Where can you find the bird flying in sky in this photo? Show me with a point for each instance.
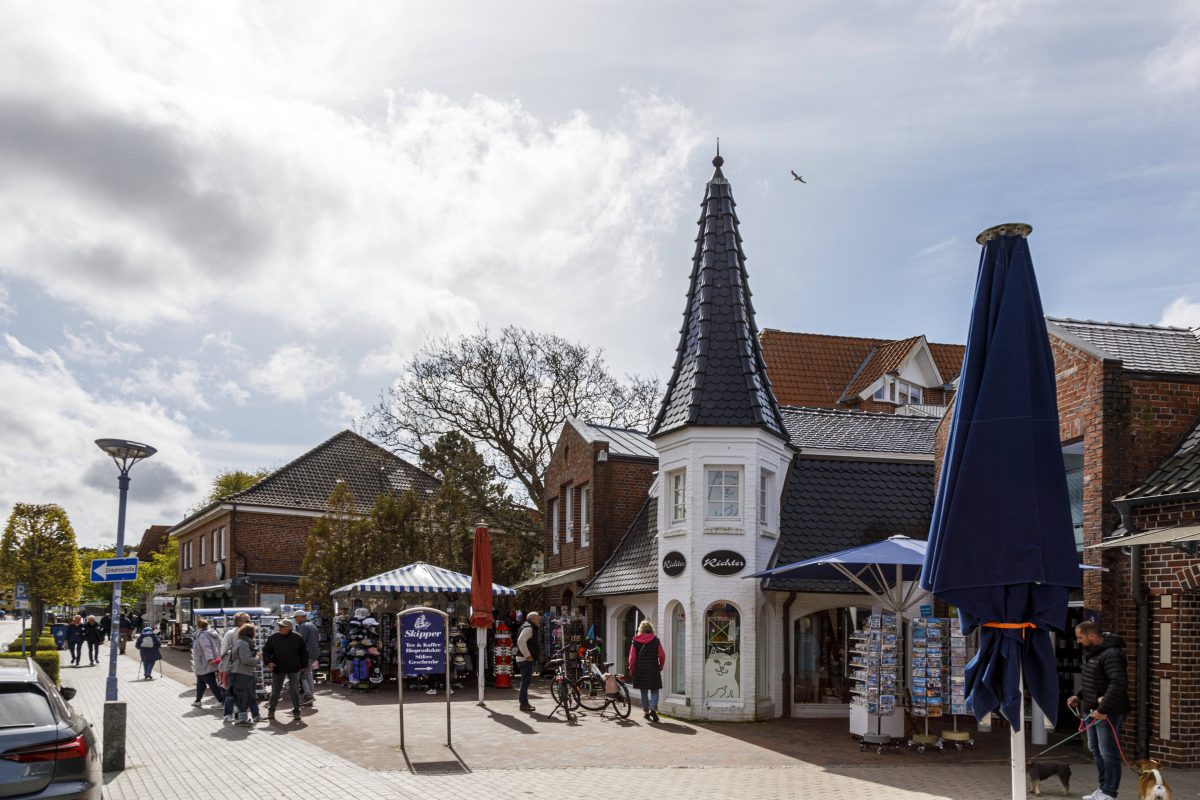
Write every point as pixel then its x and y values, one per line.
pixel 798 177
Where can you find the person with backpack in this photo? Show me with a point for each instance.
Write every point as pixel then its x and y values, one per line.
pixel 227 644
pixel 75 639
pixel 93 634
pixel 149 647
pixel 243 663
pixel 206 657
pixel 646 660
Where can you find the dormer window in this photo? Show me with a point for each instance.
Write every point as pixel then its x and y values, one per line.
pixel 900 392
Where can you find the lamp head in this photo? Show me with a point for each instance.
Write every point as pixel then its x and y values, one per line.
pixel 124 452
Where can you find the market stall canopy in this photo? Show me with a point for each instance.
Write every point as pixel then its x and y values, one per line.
pixel 554 578
pixel 1177 534
pixel 420 578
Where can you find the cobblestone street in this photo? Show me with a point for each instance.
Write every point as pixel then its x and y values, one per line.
pixel 176 751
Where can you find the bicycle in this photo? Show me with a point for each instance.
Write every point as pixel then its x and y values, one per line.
pixel 592 694
pixel 563 691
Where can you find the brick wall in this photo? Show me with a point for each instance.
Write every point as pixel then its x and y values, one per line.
pixel 271 543
pixel 204 574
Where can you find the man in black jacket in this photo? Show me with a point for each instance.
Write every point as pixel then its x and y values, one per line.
pixel 285 654
pixel 1104 702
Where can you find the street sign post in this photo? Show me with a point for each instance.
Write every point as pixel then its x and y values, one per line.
pixel 112 570
pixel 424 650
pixel 21 601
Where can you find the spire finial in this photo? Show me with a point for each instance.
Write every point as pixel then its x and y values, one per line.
pixel 718 161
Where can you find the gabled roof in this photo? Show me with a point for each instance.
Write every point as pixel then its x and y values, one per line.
pixel 835 504
pixel 719 377
pixel 814 369
pixel 859 431
pixel 1179 473
pixel 1140 348
pixel 633 566
pixel 621 441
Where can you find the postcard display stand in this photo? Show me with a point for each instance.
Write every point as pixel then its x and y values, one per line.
pixel 938 682
pixel 875 668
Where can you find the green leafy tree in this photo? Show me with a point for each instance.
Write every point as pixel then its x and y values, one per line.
pixel 94 593
pixel 163 567
pixel 229 482
pixel 334 553
pixel 39 549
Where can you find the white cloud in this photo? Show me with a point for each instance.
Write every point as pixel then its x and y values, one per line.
pixel 1176 65
pixel 6 308
pixel 105 350
pixel 343 411
pixel 294 372
pixel 1183 312
pixel 234 392
pixel 48 427
pixel 168 379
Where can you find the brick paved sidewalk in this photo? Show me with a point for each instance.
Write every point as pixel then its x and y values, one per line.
pixel 176 751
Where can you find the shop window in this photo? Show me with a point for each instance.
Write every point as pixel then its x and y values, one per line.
pixel 722 652
pixel 678 650
pixel 678 482
pixel 629 625
pixel 554 526
pixel 821 643
pixel 724 493
pixel 585 516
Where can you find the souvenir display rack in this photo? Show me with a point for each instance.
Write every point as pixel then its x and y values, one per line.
pixel 875 670
pixel 938 680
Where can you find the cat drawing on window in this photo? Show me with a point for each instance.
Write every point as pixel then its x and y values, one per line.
pixel 721 675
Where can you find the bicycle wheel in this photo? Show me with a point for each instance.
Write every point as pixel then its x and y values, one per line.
pixel 621 704
pixel 566 695
pixel 590 690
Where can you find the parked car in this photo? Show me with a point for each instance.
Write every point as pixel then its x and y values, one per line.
pixel 46 749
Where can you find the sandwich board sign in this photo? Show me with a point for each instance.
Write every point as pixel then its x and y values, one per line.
pixel 424 650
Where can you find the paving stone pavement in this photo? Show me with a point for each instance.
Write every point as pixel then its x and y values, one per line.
pixel 176 751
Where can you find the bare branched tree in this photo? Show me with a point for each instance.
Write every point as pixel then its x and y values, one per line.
pixel 509 394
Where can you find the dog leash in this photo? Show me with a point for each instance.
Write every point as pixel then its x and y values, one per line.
pixel 1084 726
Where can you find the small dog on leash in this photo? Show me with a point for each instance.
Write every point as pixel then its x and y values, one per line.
pixel 1038 771
pixel 1151 785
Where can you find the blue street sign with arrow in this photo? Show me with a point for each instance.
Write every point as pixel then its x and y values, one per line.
pixel 112 570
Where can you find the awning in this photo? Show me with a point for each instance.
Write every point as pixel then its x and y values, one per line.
pixel 420 578
pixel 216 587
pixel 1180 533
pixel 555 578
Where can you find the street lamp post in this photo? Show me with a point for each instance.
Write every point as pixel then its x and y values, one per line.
pixel 124 454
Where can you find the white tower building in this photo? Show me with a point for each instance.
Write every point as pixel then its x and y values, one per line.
pixel 723 457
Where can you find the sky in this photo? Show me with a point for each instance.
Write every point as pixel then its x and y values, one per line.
pixel 225 227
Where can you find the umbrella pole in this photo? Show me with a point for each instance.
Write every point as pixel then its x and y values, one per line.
pixel 480 652
pixel 1017 747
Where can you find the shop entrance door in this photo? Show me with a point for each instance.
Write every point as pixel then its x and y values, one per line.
pixel 820 653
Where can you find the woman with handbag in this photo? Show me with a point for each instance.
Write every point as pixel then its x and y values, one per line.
pixel 149 646
pixel 243 662
pixel 206 657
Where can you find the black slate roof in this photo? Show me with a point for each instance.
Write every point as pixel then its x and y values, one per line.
pixel 633 566
pixel 832 429
pixel 1179 473
pixel 1140 348
pixel 833 504
pixel 307 482
pixel 719 377
pixel 621 441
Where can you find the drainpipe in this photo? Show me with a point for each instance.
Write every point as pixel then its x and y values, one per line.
pixel 787 655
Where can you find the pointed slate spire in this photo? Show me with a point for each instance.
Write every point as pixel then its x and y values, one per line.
pixel 719 378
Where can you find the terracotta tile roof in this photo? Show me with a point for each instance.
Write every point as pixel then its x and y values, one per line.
pixel 719 377
pixel 816 370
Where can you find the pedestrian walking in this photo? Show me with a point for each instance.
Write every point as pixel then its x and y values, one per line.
pixel 243 661
pixel 528 654
pixel 149 647
pixel 285 654
pixel 136 620
pixel 124 631
pixel 93 635
pixel 206 657
pixel 1103 700
pixel 646 660
pixel 105 627
pixel 227 647
pixel 164 629
pixel 75 639
pixel 312 642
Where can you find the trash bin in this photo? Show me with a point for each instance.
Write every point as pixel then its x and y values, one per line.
pixel 59 631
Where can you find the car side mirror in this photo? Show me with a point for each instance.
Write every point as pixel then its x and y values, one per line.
pixel 68 692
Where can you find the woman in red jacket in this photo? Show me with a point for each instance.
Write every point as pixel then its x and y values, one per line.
pixel 646 660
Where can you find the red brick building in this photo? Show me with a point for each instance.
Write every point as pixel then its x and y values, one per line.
pixel 596 482
pixel 814 370
pixel 246 548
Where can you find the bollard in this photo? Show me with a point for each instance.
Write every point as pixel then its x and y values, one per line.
pixel 114 737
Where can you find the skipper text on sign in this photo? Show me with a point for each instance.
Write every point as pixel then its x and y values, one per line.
pixel 424 644
pixel 111 570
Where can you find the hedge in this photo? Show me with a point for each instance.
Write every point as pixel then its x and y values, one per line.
pixel 44 643
pixel 49 661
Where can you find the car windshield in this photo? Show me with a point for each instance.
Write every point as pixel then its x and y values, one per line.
pixel 23 705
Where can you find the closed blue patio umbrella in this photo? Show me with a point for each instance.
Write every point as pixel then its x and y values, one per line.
pixel 1001 546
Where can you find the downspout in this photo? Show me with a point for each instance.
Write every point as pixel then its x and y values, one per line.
pixel 1142 728
pixel 787 655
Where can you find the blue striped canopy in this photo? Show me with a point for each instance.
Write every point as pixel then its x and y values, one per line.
pixel 421 578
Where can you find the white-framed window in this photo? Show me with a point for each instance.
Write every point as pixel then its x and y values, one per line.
pixel 186 554
pixel 554 526
pixel 764 497
pixel 678 486
pixel 678 650
pixel 900 392
pixel 585 515
pixel 203 548
pixel 724 498
pixel 570 513
pixel 221 542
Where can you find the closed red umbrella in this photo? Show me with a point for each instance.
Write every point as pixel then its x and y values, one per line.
pixel 481 596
